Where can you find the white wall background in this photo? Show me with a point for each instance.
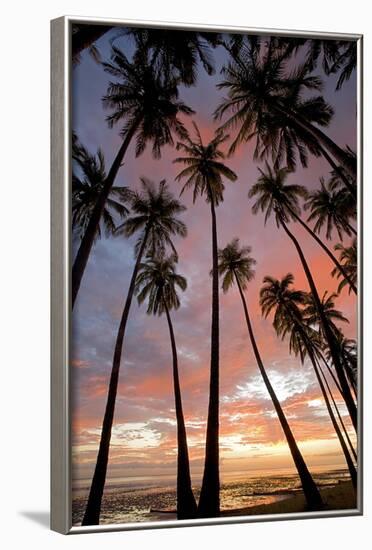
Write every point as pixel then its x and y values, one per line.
pixel 24 272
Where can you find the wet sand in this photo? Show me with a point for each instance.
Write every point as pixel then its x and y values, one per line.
pixel 339 497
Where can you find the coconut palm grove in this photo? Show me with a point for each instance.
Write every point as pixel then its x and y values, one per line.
pixel 214 283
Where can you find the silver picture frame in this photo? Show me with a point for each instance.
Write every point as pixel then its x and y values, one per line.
pixel 61 494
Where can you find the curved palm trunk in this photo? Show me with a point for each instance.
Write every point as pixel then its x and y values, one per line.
pixel 93 509
pixel 311 492
pixel 321 138
pixel 349 461
pixel 331 373
pixel 186 504
pixel 351 446
pixel 209 502
pixel 335 379
pixel 85 37
pixel 87 241
pixel 332 343
pixel 325 248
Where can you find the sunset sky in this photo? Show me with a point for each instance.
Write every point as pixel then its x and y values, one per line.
pixel 144 433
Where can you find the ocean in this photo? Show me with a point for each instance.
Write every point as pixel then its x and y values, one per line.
pixel 140 499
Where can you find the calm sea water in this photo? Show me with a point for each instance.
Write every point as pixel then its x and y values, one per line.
pixel 140 499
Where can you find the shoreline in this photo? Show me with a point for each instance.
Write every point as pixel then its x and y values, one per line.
pixel 337 497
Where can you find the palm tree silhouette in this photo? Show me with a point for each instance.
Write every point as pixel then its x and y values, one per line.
pixel 289 319
pixel 331 208
pixel 148 107
pixel 87 182
pixel 332 314
pixel 271 202
pixel 276 136
pixel 155 217
pixel 341 180
pixel 349 351
pixel 347 347
pixel 205 172
pixel 274 191
pixel 346 62
pixel 349 262
pixel 317 344
pixel 178 52
pixel 235 265
pixel 329 311
pixel 157 281
pixel 258 82
pixel 336 55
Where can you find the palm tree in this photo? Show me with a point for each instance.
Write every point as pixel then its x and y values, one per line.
pixel 87 181
pixel 346 62
pixel 155 217
pixel 147 106
pixel 274 191
pixel 338 412
pixel 178 53
pixel 349 262
pixel 275 132
pixel 236 266
pixel 317 345
pixel 289 318
pixel 205 172
pixel 337 55
pixel 349 351
pixel 347 347
pixel 331 208
pixel 277 137
pixel 157 280
pixel 258 82
pixel 341 180
pixel 270 201
pixel 329 310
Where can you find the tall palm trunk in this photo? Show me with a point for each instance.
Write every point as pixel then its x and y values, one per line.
pixel 351 446
pixel 324 247
pixel 93 509
pixel 349 460
pixel 305 339
pixel 186 504
pixel 321 138
pixel 87 241
pixel 331 373
pixel 329 336
pixel 335 379
pixel 311 492
pixel 209 502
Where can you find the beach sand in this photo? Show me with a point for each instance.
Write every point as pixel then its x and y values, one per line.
pixel 339 497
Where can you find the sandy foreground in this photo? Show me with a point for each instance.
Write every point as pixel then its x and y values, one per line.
pixel 340 497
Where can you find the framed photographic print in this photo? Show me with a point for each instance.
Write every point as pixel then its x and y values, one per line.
pixel 206 260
